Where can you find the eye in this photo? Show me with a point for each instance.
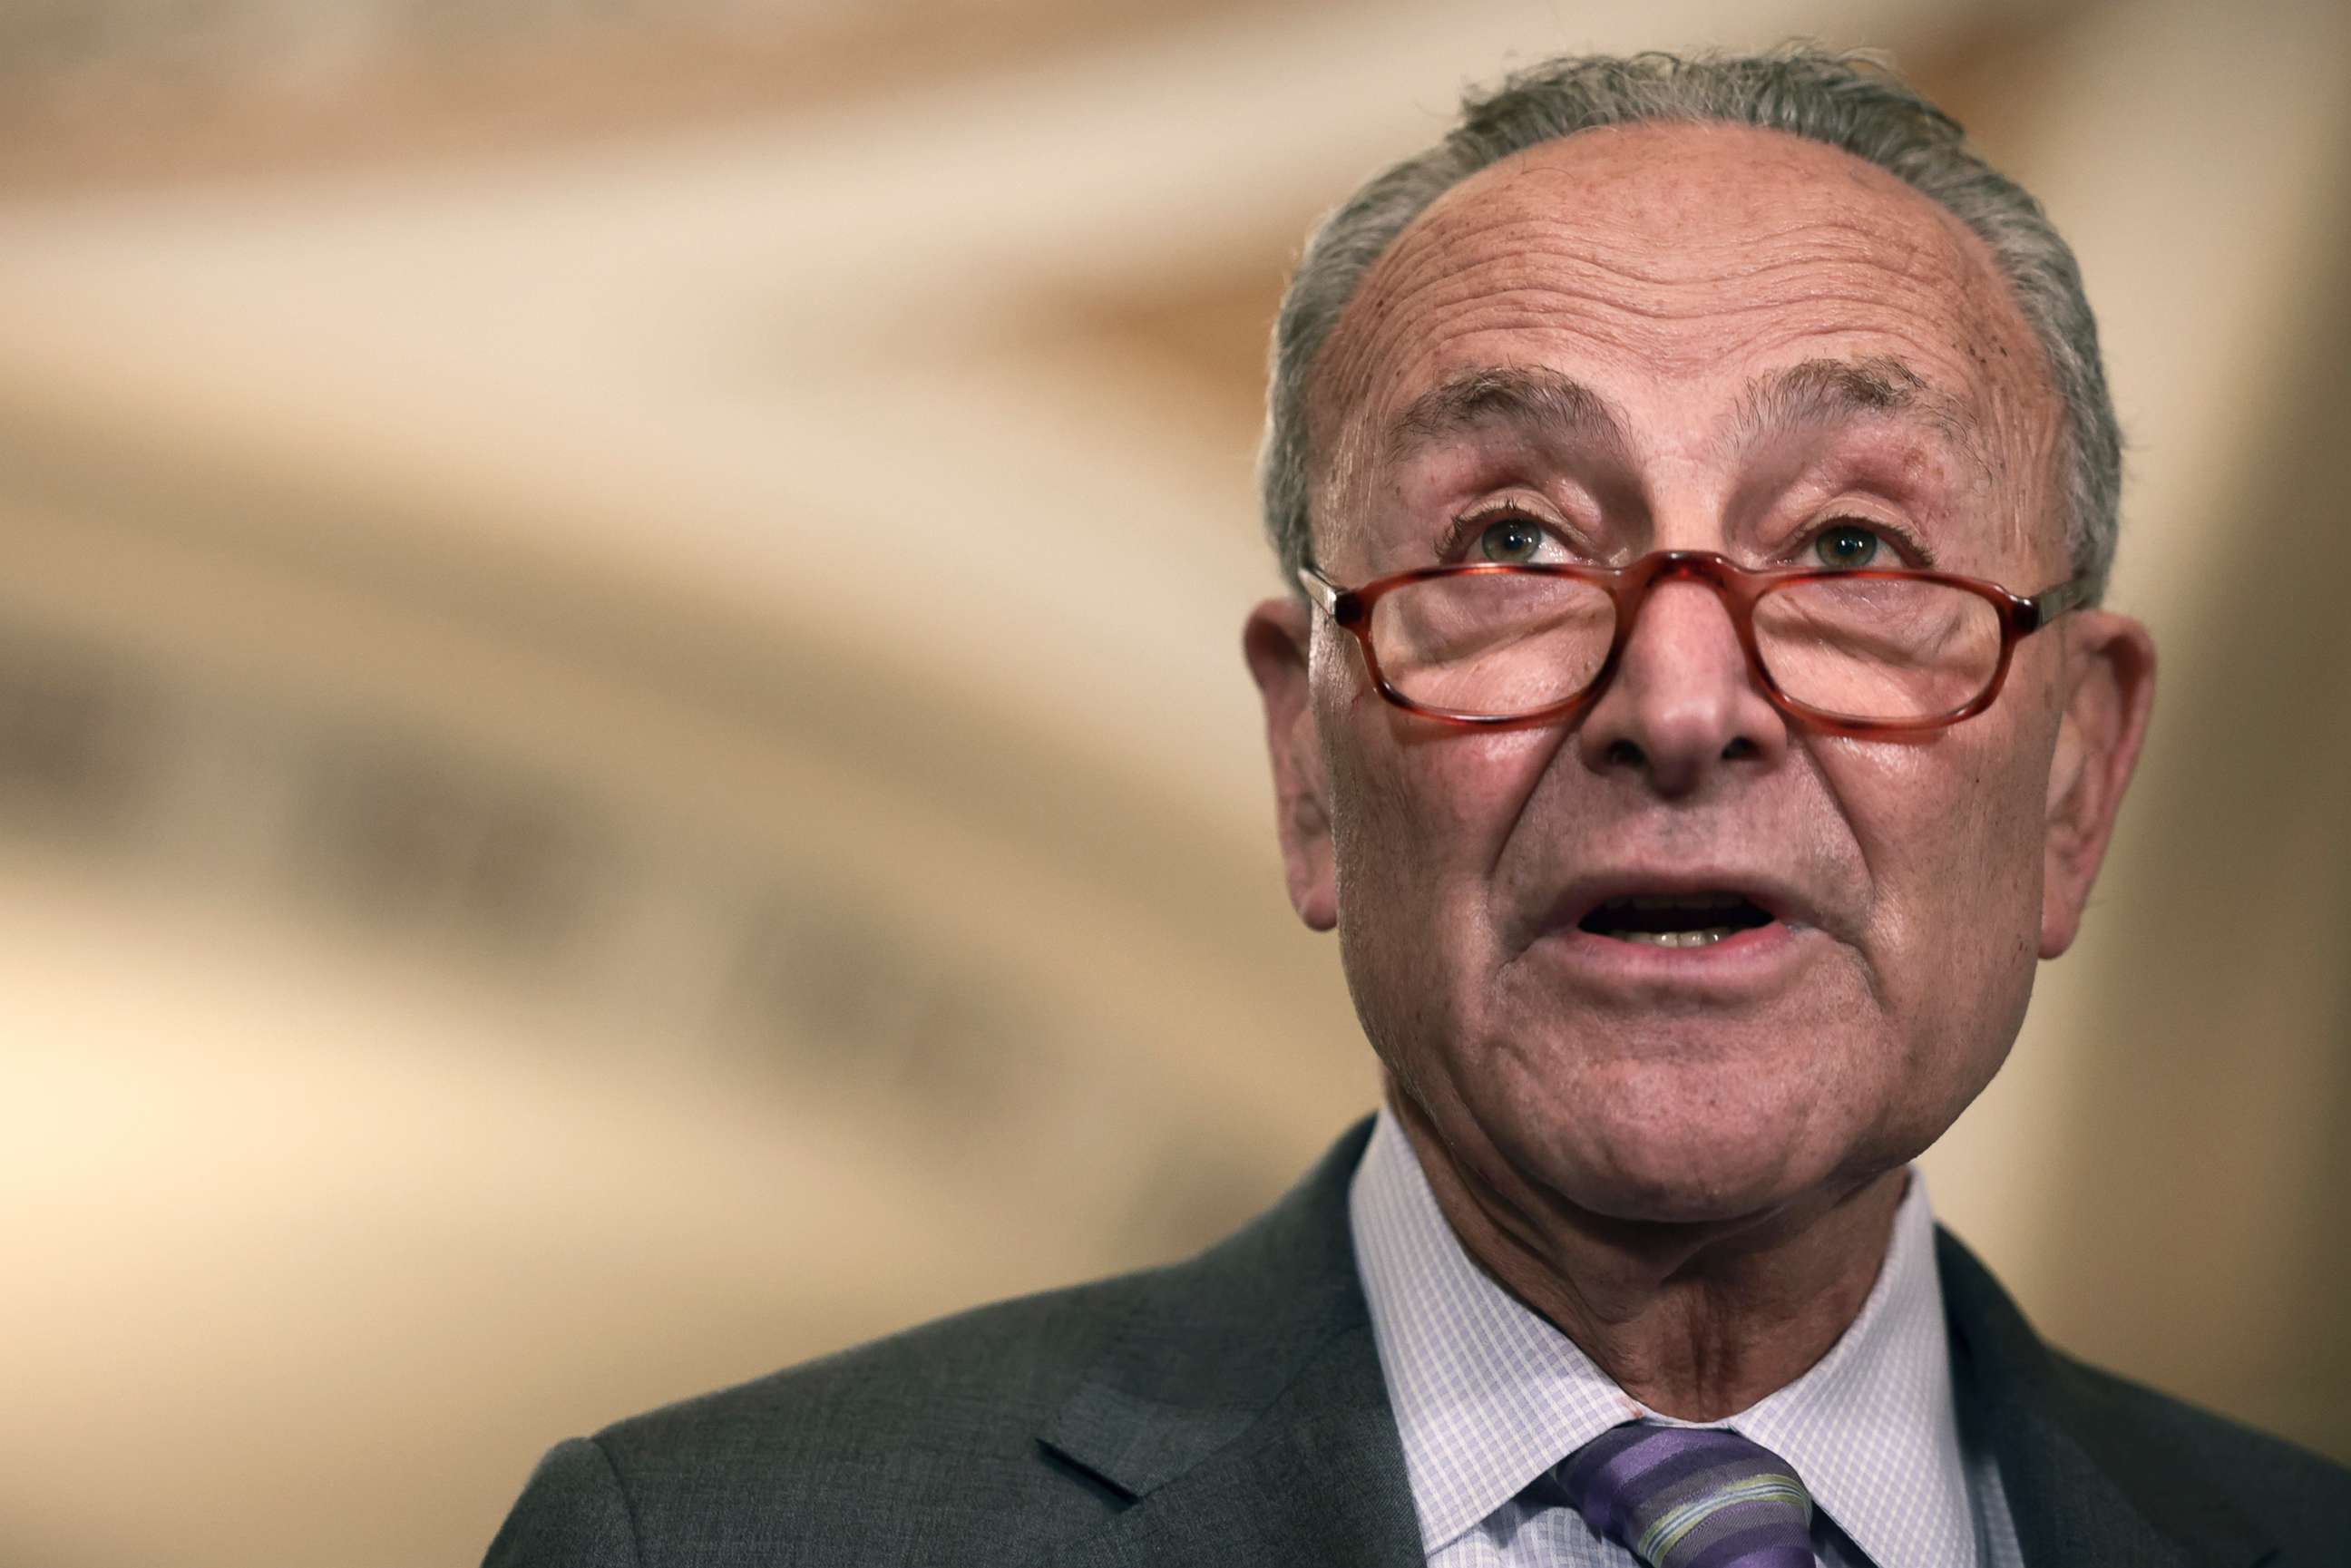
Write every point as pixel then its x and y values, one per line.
pixel 1847 547
pixel 1510 540
pixel 1504 533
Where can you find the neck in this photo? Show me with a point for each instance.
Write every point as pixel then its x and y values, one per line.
pixel 1696 1322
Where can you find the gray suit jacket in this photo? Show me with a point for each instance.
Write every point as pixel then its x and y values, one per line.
pixel 1229 1411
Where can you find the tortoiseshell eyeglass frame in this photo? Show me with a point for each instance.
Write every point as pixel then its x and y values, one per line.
pixel 1738 588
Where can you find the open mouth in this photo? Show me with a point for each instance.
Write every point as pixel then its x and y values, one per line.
pixel 1676 919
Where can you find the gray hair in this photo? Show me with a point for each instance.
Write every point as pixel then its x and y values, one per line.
pixel 1847 101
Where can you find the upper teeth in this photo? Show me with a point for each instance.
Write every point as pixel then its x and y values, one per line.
pixel 1699 938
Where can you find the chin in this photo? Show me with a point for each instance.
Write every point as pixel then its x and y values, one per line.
pixel 1659 1153
pixel 1667 1181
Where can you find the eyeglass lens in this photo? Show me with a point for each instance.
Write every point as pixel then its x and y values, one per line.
pixel 1499 645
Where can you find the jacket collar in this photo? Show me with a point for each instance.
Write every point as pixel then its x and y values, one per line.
pixel 1241 1405
pixel 2087 1481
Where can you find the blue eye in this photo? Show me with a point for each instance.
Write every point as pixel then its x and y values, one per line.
pixel 1847 547
pixel 1509 540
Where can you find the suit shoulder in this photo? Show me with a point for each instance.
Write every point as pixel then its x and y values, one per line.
pixel 919 1448
pixel 2303 1497
pixel 1009 1360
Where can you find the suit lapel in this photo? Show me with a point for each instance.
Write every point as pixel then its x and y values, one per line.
pixel 2086 1484
pixel 1242 1408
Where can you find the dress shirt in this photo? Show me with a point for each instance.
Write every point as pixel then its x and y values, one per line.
pixel 1489 1396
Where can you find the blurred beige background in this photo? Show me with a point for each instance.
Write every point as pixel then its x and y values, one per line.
pixel 623 752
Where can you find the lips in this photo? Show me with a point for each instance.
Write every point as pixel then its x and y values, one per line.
pixel 1679 907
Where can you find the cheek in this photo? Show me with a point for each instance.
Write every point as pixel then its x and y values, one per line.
pixel 1412 799
pixel 1950 831
pixel 1419 816
pixel 1428 807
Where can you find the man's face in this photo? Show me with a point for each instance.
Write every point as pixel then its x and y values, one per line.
pixel 1771 346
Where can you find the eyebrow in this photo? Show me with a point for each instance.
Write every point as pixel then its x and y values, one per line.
pixel 1530 399
pixel 1545 403
pixel 1836 392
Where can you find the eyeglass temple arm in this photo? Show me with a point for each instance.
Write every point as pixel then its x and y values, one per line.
pixel 2052 602
pixel 1323 591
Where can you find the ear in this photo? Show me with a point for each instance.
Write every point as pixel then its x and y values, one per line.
pixel 1277 641
pixel 2109 692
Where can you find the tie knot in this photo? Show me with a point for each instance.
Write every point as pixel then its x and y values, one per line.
pixel 1691 1497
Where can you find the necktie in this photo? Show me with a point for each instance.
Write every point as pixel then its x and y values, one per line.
pixel 1689 1497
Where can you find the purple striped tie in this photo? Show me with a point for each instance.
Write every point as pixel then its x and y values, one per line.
pixel 1691 1497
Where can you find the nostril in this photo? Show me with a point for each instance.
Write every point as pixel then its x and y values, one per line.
pixel 1740 748
pixel 1624 754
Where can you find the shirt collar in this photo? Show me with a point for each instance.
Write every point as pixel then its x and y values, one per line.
pixel 1489 1395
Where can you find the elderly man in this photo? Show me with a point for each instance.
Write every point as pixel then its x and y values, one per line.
pixel 1696 721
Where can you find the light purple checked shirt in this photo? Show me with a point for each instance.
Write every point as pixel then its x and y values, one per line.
pixel 1489 1395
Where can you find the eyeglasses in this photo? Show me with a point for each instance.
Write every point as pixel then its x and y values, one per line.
pixel 1853 653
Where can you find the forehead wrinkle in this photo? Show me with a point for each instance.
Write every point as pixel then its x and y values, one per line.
pixel 1688 276
pixel 1540 276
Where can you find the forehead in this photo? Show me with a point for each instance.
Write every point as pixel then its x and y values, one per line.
pixel 1668 265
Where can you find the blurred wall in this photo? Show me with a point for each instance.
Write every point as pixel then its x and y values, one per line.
pixel 621 739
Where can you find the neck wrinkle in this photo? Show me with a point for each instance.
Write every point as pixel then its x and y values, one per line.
pixel 1682 1320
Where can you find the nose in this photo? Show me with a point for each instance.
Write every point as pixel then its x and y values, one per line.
pixel 1683 707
